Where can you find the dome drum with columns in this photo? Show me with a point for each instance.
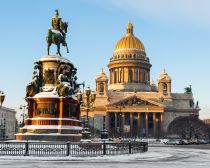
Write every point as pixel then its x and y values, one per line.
pixel 131 105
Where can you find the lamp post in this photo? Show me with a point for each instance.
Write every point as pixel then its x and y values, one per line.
pixel 120 119
pixel 23 115
pixel 2 97
pixel 161 98
pixel 104 133
pixel 90 99
pixel 2 129
pixel 90 96
pixel 157 128
pixel 3 125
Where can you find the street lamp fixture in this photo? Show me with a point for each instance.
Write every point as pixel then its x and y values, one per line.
pixel 90 99
pixel 104 133
pixel 120 122
pixel 90 96
pixel 3 125
pixel 23 115
pixel 161 98
pixel 157 127
pixel 79 96
pixel 2 97
pixel 3 129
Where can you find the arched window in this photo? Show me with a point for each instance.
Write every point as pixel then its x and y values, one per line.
pixel 164 88
pixel 101 88
pixel 130 75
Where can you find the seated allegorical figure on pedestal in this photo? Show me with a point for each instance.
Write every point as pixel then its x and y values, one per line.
pixel 64 88
pixel 34 86
pixel 67 82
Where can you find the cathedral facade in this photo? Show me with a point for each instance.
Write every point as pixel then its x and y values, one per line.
pixel 128 102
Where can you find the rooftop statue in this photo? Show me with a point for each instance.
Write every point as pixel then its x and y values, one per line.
pixel 188 90
pixel 57 34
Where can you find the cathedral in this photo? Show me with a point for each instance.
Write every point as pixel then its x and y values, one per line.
pixel 127 102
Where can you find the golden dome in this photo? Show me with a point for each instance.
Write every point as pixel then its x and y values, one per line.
pixel 129 41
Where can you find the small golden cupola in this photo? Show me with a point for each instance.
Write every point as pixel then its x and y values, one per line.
pixel 164 84
pixel 101 83
pixel 129 66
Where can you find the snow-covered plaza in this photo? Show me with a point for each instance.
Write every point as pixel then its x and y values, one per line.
pixel 164 157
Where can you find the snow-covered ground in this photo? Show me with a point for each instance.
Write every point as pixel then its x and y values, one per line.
pixel 160 157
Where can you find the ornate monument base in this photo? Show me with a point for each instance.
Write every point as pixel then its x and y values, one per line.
pixel 51 119
pixel 53 110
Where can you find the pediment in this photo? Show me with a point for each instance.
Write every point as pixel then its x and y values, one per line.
pixel 165 78
pixel 102 78
pixel 136 101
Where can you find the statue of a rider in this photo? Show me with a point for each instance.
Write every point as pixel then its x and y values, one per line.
pixel 57 23
pixel 57 34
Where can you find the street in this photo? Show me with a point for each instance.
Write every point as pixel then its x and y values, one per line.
pixel 164 157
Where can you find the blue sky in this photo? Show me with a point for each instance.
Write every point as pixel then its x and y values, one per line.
pixel 176 35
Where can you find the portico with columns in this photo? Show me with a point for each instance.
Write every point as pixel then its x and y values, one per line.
pixel 135 116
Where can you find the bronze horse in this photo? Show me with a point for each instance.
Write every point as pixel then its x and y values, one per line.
pixel 57 37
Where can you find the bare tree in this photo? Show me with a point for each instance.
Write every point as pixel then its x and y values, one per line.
pixel 189 127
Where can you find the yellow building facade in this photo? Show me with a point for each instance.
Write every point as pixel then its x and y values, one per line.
pixel 131 104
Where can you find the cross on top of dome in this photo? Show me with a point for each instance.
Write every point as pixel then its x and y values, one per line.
pixel 129 28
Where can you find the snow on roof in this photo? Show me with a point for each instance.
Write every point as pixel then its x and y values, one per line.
pixel 52 127
pixel 55 58
pixel 46 95
pixel 49 134
pixel 63 119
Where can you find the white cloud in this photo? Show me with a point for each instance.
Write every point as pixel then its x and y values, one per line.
pixel 195 12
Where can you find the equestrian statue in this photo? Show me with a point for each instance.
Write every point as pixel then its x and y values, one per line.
pixel 57 34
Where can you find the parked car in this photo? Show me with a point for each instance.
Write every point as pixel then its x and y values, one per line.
pixel 202 141
pixel 185 142
pixel 174 142
pixel 194 141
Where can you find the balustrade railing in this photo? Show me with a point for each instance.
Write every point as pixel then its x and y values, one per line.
pixel 71 149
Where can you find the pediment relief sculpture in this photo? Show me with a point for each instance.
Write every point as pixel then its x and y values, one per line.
pixel 135 101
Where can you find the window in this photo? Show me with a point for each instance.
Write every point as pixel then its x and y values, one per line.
pixel 164 88
pixel 144 80
pixel 136 75
pixel 101 88
pixel 130 75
